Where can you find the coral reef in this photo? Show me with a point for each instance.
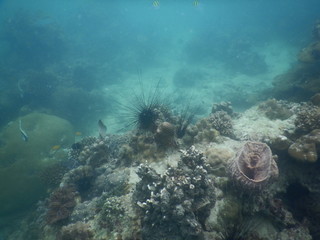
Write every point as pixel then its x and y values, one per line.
pixel 53 174
pixel 252 125
pixel 209 129
pixel 302 80
pixel 225 193
pixel 310 54
pixel 117 216
pixel 308 119
pixel 81 178
pixel 253 166
pixel 177 202
pixel 60 204
pixel 203 131
pixel 307 147
pixel 165 134
pixel 315 99
pixel 22 169
pixel 94 154
pixel 222 122
pixel 147 110
pixel 142 146
pixel 222 106
pixel 78 230
pixel 274 109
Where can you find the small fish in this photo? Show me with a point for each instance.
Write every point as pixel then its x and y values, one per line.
pixel 78 133
pixel 195 3
pixel 55 147
pixel 24 135
pixel 102 129
pixel 20 89
pixel 156 4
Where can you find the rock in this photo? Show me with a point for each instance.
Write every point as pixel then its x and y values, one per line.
pixel 306 148
pixel 21 162
pixel 315 99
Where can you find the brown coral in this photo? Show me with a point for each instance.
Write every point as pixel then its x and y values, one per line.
pixel 165 134
pixel 61 204
pixel 79 231
pixel 306 148
pixel 253 166
pixel 307 119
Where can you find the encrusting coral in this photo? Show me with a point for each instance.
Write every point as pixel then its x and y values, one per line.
pixel 253 166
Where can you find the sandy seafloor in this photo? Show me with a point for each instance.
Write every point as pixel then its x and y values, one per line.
pixel 220 85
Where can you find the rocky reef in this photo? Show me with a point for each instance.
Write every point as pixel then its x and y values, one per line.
pixel 216 182
pixel 302 80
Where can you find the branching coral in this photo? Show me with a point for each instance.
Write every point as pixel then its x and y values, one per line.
pixel 177 202
pixel 222 122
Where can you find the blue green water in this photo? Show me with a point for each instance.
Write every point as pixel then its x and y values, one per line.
pixel 73 58
pixel 78 59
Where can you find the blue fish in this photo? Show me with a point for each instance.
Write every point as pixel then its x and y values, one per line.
pixel 24 135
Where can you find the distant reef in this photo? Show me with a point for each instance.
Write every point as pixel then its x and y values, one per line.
pixel 303 79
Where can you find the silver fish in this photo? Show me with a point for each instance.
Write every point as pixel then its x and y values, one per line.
pixel 102 129
pixel 24 135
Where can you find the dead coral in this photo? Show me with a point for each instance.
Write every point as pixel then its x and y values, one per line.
pixel 222 122
pixel 81 178
pixel 302 80
pixel 142 146
pixel 222 106
pixel 53 174
pixel 95 154
pixel 177 202
pixel 307 147
pixel 61 203
pixel 78 231
pixel 315 99
pixel 308 119
pixel 253 166
pixel 274 109
pixel 165 135
pixel 311 53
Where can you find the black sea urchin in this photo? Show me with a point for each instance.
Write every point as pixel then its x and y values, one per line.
pixel 147 111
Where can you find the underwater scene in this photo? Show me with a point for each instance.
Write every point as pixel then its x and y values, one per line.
pixel 160 120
